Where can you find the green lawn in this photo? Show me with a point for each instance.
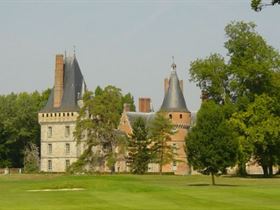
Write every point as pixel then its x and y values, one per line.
pixel 138 192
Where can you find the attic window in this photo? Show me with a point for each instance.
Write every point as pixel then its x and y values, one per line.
pixel 63 114
pixel 170 116
pixel 42 115
pixel 55 114
pixel 47 115
pixel 67 114
pixel 72 114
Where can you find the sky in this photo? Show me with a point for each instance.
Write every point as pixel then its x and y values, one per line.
pixel 128 44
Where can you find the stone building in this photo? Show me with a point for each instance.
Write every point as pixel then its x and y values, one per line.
pixel 174 107
pixel 58 117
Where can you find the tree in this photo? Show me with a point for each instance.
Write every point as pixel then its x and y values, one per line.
pixel 128 99
pixel 31 158
pixel 257 5
pixel 97 127
pixel 211 144
pixel 19 125
pixel 260 126
pixel 161 130
pixel 139 154
pixel 251 68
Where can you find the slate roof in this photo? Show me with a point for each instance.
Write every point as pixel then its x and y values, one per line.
pixel 174 100
pixel 73 89
pixel 146 116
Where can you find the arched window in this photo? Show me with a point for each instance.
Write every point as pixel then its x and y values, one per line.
pixel 181 116
pixel 170 116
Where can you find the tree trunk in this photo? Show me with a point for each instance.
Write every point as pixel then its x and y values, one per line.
pixel 265 170
pixel 161 159
pixel 242 169
pixel 213 178
pixel 160 168
pixel 270 170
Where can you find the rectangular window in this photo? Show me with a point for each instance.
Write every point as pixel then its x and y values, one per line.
pixel 49 132
pixel 49 165
pixel 49 149
pixel 67 148
pixel 67 131
pixel 67 163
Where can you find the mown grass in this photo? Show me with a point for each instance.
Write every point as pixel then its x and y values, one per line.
pixel 151 192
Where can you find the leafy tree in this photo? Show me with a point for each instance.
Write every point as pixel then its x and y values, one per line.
pixel 31 158
pixel 261 126
pixel 161 130
pixel 96 126
pixel 19 125
pixel 211 144
pixel 251 68
pixel 257 5
pixel 128 99
pixel 139 154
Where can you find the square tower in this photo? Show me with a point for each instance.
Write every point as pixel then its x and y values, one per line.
pixel 58 118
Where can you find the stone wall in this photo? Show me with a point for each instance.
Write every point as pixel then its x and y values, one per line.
pixel 58 145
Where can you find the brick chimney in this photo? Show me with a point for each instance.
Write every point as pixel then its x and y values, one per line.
pixel 144 105
pixel 58 81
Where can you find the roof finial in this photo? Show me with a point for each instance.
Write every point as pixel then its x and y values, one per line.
pixel 173 66
pixel 74 49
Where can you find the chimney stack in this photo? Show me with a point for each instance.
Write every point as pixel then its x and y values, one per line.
pixel 58 81
pixel 144 105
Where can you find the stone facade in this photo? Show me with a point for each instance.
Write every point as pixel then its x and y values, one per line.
pixel 58 147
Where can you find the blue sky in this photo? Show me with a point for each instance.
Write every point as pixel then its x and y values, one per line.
pixel 128 44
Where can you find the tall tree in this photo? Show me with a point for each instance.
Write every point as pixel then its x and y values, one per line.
pixel 161 130
pixel 260 125
pixel 96 125
pixel 139 153
pixel 211 144
pixel 251 68
pixel 19 125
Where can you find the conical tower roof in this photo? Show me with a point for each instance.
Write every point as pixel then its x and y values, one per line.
pixel 174 100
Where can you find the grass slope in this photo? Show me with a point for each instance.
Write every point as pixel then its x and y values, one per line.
pixel 138 192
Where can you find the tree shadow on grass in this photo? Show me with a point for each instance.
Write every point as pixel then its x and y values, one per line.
pixel 216 185
pixel 253 176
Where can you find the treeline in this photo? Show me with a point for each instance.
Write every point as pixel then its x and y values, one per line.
pixel 19 128
pixel 239 120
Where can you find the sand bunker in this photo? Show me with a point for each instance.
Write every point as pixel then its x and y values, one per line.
pixel 57 190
